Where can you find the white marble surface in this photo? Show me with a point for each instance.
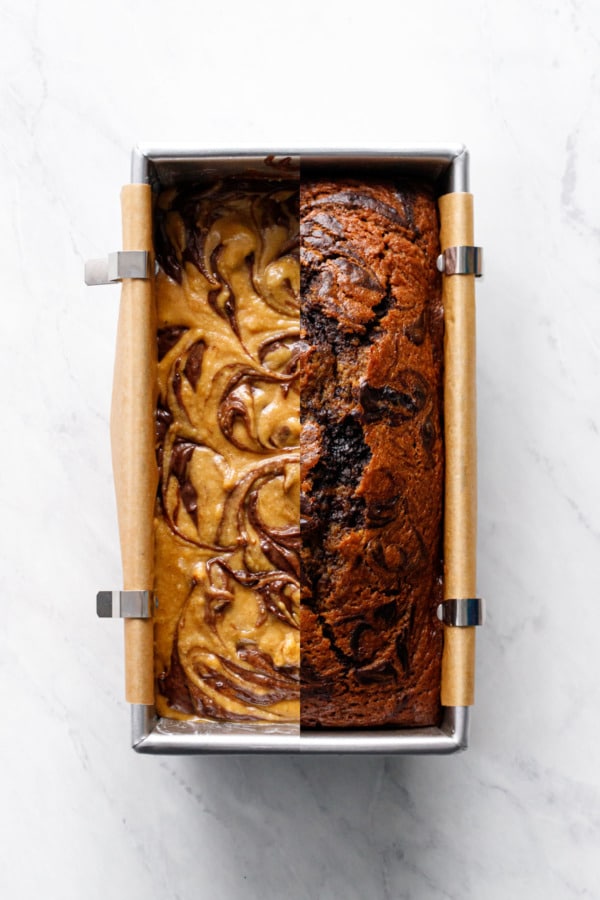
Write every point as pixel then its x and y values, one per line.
pixel 517 816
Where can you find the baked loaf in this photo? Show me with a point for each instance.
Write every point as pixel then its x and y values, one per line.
pixel 227 440
pixel 371 455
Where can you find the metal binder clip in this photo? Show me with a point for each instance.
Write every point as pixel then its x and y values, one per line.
pixel 461 261
pixel 124 604
pixel 462 613
pixel 119 265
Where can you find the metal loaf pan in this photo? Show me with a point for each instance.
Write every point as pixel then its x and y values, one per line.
pixel 447 169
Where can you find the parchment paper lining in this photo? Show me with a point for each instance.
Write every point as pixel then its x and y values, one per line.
pixel 135 471
pixel 132 437
pixel 460 501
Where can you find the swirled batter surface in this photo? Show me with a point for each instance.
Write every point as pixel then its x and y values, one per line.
pixel 228 425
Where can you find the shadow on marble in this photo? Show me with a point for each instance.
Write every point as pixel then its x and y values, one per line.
pixel 323 825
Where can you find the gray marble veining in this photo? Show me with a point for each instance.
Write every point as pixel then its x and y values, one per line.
pixel 517 816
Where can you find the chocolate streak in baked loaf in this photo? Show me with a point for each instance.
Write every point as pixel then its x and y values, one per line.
pixel 227 427
pixel 371 455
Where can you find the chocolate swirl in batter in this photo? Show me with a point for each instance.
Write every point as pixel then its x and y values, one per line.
pixel 227 430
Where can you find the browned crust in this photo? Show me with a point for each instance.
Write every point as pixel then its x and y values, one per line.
pixel 372 455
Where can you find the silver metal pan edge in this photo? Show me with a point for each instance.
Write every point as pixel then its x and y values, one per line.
pixel 447 168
